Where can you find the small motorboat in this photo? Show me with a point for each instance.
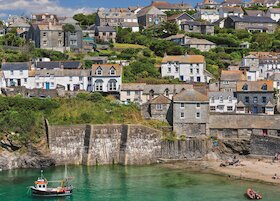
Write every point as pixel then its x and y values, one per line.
pixel 253 195
pixel 41 188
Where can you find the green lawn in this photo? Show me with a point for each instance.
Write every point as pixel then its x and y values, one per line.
pixel 125 46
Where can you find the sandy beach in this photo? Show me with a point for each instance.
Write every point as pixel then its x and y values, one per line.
pixel 249 169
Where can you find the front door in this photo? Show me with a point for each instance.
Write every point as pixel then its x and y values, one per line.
pixel 47 85
pixel 255 109
pixel 19 82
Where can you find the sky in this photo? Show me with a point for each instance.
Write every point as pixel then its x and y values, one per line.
pixel 68 7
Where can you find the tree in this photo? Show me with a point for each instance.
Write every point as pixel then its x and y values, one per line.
pixel 85 20
pixel 170 28
pixel 69 28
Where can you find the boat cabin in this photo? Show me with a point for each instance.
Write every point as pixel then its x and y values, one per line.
pixel 41 184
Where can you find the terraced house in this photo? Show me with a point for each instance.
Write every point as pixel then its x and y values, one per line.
pixel 188 68
pixel 117 18
pixel 106 78
pixel 251 24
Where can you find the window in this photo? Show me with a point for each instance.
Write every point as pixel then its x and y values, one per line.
pixel 37 84
pixel 44 34
pixel 169 70
pixel 221 99
pixel 247 99
pixel 25 80
pixel 12 72
pixel 99 71
pixel 128 93
pixel 166 92
pixel 52 84
pixel 255 99
pixel 137 93
pixel 264 87
pixel 230 99
pixel 73 42
pixel 70 78
pixel 45 42
pixel 229 108
pixel 159 107
pixel 191 70
pixel 197 71
pixel 245 87
pixel 198 105
pixel 150 19
pixel 21 72
pixel 212 108
pixel 73 34
pixel 264 99
pixel 99 85
pixel 182 105
pixel 198 115
pixel 176 69
pixel 112 71
pixel 212 99
pixel 80 79
pixel 182 115
pixel 112 85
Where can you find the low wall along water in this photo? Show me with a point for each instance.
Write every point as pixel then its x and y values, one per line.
pixel 117 144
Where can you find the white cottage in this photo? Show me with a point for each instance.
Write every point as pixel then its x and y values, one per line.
pixel 188 68
pixel 106 78
pixel 16 73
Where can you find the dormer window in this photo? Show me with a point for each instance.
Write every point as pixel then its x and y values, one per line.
pixel 166 92
pixel 99 71
pixel 230 99
pixel 264 87
pixel 112 71
pixel 245 87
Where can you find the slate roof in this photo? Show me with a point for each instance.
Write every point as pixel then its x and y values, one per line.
pixel 177 36
pixel 16 66
pixel 129 24
pixel 225 95
pixel 106 69
pixel 59 64
pixel 133 86
pixel 275 77
pixel 232 75
pixel 240 104
pixel 255 86
pixel 60 73
pixel 105 29
pixel 190 96
pixel 161 88
pixel 175 16
pixel 150 10
pixel 274 10
pixel 69 20
pixel 161 99
pixel 184 59
pixel 252 19
pixel 232 2
pixel 196 41
pixel 228 9
pixel 244 121
pixel 255 13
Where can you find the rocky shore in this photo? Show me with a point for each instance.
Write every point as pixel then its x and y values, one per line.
pixel 16 160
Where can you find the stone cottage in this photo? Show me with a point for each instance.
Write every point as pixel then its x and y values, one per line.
pixel 190 113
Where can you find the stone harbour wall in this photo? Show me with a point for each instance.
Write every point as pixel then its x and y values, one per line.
pixel 104 144
pixel 190 149
pixel 264 145
pixel 118 144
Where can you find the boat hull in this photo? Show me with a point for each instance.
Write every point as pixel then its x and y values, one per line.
pixel 49 193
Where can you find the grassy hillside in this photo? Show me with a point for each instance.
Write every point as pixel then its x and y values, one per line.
pixel 22 119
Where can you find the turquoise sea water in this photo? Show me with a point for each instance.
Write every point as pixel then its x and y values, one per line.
pixel 118 183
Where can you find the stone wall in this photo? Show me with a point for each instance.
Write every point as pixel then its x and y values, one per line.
pixel 104 144
pixel 189 149
pixel 264 145
pixel 118 144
